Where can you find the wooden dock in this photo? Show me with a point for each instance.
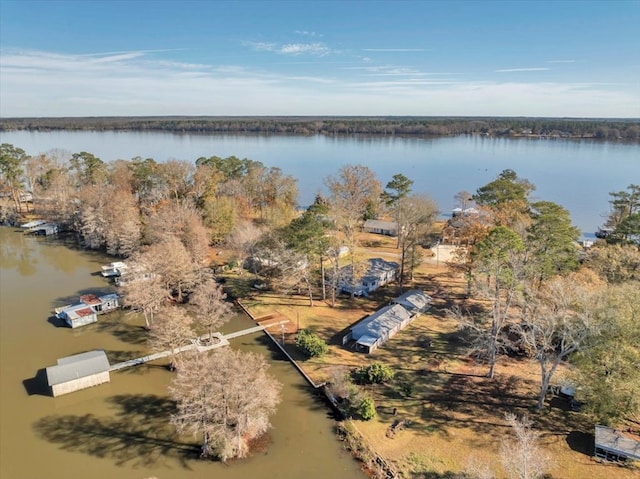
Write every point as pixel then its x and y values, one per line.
pixel 199 344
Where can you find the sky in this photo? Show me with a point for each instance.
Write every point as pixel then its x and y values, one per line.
pixel 317 58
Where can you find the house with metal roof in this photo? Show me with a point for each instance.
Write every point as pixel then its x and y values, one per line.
pixel 389 228
pixel 614 445
pixel 373 331
pixel 87 311
pixel 77 372
pixel 415 301
pixel 378 273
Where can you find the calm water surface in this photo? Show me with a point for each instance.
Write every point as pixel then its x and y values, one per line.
pixel 575 174
pixel 119 430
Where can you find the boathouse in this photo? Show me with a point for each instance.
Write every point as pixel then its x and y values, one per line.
pixel 78 372
pixel 614 445
pixel 116 268
pixel 87 311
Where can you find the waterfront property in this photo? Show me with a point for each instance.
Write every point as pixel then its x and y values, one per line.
pixel 378 273
pixel 614 445
pixel 88 309
pixel 373 331
pixel 39 227
pixel 77 372
pixel 111 270
pixel 389 228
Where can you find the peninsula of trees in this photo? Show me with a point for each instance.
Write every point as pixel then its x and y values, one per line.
pixel 600 129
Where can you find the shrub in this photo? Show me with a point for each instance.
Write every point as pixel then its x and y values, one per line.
pixel 375 373
pixel 367 409
pixel 310 344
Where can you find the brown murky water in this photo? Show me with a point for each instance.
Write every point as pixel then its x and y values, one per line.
pixel 120 430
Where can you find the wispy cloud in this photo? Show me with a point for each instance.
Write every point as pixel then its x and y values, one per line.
pixel 36 83
pixel 396 50
pixel 561 61
pixel 307 33
pixel 318 49
pixel 529 69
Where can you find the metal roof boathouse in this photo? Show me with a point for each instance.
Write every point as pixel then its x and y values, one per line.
pixel 80 371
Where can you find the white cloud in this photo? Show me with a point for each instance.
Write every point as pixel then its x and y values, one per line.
pixel 561 61
pixel 290 48
pixel 51 84
pixel 530 69
pixel 299 48
pixel 396 50
pixel 307 34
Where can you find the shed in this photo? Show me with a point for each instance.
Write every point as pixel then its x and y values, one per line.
pixel 415 301
pixel 373 331
pixel 77 372
pixel 389 228
pixel 614 445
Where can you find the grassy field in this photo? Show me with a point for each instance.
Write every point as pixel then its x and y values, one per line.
pixel 455 414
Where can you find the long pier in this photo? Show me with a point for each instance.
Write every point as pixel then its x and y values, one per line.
pixel 199 344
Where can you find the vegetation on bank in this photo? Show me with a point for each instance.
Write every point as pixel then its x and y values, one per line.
pixel 602 129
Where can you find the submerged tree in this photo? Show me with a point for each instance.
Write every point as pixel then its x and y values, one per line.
pixel 170 331
pixel 225 397
pixel 210 307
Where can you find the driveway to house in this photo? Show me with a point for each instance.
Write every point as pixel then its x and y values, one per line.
pixel 441 254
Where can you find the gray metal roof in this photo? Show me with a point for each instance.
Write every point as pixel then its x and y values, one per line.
pixel 617 442
pixel 381 323
pixel 78 366
pixel 381 224
pixel 414 300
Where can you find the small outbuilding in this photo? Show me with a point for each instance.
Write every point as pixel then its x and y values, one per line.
pixel 614 445
pixel 389 228
pixel 77 372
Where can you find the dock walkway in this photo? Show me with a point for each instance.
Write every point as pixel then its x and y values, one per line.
pixel 198 344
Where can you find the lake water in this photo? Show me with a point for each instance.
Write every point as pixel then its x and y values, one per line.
pixel 120 429
pixel 578 175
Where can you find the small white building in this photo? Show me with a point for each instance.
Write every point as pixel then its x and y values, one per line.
pixel 77 372
pixel 389 228
pixel 113 269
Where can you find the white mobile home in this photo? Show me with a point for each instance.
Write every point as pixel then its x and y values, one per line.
pixel 373 331
pixel 379 272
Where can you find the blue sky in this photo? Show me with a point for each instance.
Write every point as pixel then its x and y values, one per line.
pixel 422 58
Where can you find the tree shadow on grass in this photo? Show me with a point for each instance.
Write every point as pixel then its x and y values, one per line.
pixel 138 435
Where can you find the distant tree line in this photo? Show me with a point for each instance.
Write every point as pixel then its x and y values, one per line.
pixel 602 129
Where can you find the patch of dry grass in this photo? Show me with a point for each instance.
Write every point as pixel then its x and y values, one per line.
pixel 455 413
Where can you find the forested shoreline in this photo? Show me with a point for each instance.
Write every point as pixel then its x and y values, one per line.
pixel 598 129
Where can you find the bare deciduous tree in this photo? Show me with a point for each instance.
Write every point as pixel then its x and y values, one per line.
pixel 210 306
pixel 170 331
pixel 556 322
pixel 226 397
pixel 522 456
pixel 144 294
